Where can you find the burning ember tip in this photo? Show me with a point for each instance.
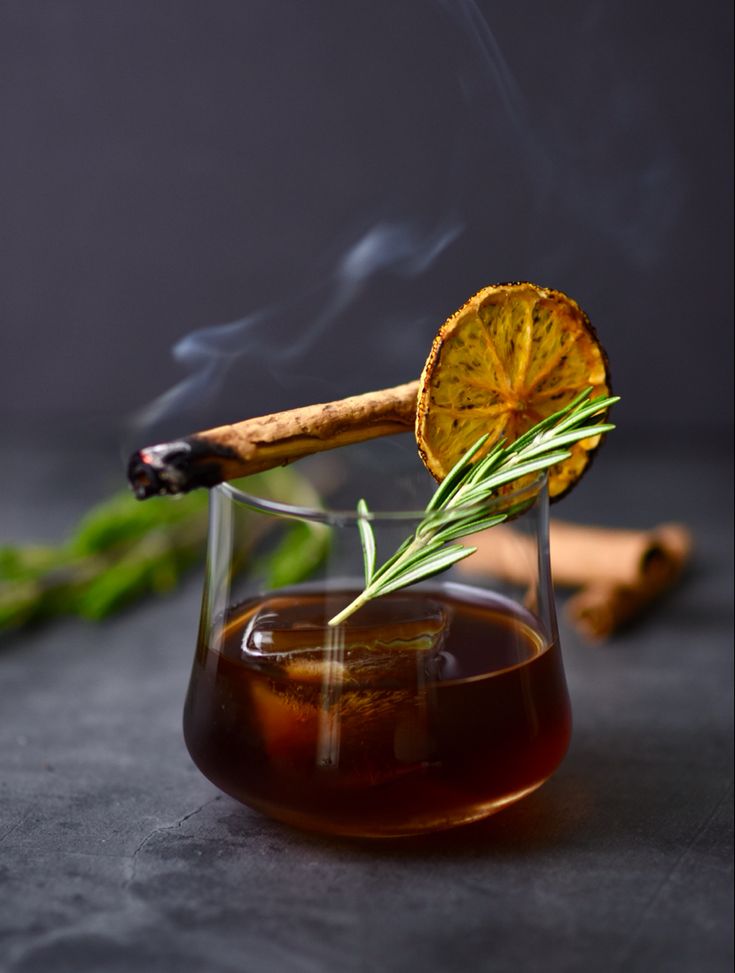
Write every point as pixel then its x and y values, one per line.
pixel 160 470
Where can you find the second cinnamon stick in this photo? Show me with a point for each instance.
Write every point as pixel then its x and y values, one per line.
pixel 618 573
pixel 583 555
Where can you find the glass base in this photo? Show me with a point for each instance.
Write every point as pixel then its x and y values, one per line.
pixel 409 828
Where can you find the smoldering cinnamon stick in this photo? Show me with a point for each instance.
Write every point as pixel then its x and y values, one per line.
pixel 254 445
pixel 619 573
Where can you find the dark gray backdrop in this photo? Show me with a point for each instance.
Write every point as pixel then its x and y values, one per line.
pixel 338 177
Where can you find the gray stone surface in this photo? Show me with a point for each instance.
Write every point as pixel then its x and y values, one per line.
pixel 116 855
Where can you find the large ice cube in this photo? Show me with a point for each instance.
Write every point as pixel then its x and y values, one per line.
pixel 357 697
pixel 383 642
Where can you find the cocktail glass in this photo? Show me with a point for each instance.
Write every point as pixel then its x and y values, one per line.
pixel 428 708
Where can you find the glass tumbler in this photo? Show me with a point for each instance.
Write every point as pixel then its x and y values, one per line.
pixel 430 707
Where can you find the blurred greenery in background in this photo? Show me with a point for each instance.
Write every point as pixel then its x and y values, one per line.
pixel 123 549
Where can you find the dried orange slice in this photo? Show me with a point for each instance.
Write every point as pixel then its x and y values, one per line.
pixel 514 354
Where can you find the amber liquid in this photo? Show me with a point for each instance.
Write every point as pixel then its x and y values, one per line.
pixel 421 713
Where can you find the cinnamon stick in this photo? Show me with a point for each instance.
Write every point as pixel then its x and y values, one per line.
pixel 254 445
pixel 602 606
pixel 619 573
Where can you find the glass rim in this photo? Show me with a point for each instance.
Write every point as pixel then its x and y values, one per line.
pixel 324 515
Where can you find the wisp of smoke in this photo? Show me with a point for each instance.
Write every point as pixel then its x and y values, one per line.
pixel 208 353
pixel 633 213
pixel 634 209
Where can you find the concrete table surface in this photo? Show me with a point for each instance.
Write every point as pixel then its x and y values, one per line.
pixel 117 855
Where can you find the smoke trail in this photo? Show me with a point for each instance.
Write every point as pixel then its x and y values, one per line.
pixel 635 209
pixel 208 353
pixel 489 76
pixel 635 213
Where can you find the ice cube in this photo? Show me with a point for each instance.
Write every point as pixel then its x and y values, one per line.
pixel 383 642
pixel 355 697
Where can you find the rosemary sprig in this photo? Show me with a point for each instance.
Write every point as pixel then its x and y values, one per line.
pixel 459 505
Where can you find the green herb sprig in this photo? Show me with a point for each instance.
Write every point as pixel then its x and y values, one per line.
pixel 459 505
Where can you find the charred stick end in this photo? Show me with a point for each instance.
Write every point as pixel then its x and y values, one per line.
pixel 177 467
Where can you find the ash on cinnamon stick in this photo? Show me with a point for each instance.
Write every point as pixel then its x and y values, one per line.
pixel 254 445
